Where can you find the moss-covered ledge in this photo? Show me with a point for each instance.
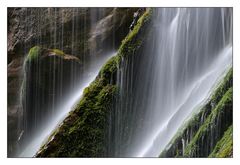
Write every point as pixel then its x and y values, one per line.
pixel 37 53
pixel 84 132
pixel 201 134
pixel 136 37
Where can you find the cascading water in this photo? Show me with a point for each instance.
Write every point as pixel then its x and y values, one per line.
pixel 189 52
pixel 63 109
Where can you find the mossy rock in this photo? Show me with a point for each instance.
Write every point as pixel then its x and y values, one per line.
pixel 84 132
pixel 34 53
pixel 37 53
pixel 134 39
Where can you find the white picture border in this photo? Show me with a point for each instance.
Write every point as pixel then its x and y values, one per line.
pixel 119 3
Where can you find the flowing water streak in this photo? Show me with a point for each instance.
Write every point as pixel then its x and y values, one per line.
pixel 66 107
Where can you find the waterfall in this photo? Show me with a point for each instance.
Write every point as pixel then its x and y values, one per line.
pixel 63 109
pixel 185 55
pixel 185 58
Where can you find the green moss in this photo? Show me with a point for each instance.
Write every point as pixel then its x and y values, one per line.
pixel 34 53
pixel 110 67
pixel 58 52
pixel 221 89
pixel 224 148
pixel 129 45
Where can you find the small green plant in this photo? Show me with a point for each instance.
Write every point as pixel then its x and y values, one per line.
pixel 34 53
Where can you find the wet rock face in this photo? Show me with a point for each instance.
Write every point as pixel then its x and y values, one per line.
pixel 45 26
pixel 109 31
pixel 15 76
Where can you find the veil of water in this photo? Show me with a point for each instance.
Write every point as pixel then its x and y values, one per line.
pixel 182 62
